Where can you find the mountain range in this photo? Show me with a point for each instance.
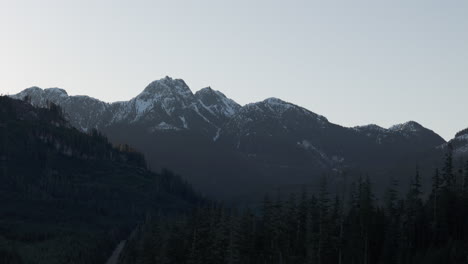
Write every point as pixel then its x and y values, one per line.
pixel 233 151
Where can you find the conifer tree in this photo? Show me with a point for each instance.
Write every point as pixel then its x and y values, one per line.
pixel 233 246
pixel 448 177
pixel 267 225
pixel 302 214
pixel 465 180
pixel 390 248
pixel 312 227
pixel 221 233
pixel 366 208
pixel 292 224
pixel 412 215
pixel 323 222
pixel 247 237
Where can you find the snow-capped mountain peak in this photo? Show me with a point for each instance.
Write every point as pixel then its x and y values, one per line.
pixel 167 94
pixel 166 101
pixel 56 91
pixel 167 87
pixel 277 104
pixel 168 105
pixel 275 101
pixel 410 126
pixel 271 138
pixel 32 90
pixel 271 106
pixel 278 107
pixel 40 97
pixel 216 102
pixel 164 91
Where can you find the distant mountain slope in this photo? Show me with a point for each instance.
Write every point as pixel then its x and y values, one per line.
pixel 226 149
pixel 460 143
pixel 66 196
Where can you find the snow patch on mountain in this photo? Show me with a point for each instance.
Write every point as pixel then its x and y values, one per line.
pixel 372 130
pixel 462 133
pixel 167 94
pixel 195 107
pixel 278 105
pixel 184 122
pixel 462 137
pixel 217 103
pixel 218 133
pixel 277 108
pixel 142 106
pixel 163 126
pixel 460 143
pixel 167 88
pixel 307 145
pixel 411 127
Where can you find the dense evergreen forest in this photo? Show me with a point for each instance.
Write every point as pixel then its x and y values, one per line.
pixel 68 196
pixel 320 228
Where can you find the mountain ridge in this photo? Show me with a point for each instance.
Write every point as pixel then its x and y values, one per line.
pixel 185 91
pixel 249 146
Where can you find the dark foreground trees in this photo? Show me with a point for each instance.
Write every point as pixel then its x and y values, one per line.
pixel 319 228
pixel 70 197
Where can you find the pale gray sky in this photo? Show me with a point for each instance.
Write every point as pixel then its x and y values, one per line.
pixel 355 62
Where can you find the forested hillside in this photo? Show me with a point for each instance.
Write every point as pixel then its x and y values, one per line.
pixel 70 197
pixel 320 228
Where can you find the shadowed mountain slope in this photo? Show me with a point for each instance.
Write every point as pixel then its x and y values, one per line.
pixel 228 150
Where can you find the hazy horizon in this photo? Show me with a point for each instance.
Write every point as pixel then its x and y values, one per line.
pixel 355 63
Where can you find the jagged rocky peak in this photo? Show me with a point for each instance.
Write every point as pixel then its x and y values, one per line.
pixel 40 97
pixel 217 102
pixel 209 96
pixel 167 93
pixel 167 87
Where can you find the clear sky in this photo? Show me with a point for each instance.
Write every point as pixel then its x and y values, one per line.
pixel 355 62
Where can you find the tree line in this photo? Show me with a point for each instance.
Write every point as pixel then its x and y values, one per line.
pixel 320 227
